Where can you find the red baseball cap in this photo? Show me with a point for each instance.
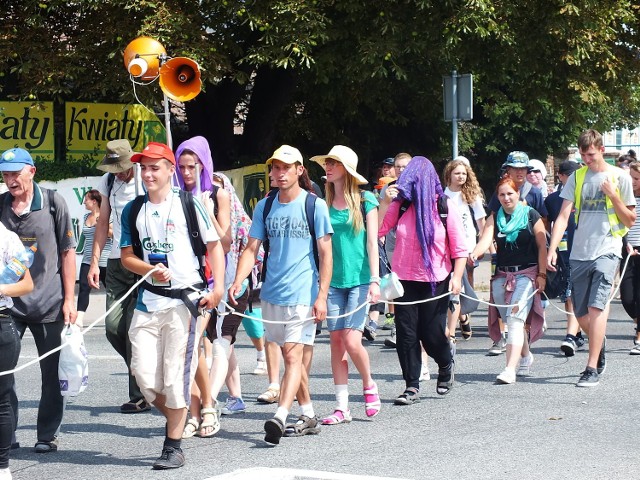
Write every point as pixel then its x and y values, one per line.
pixel 155 150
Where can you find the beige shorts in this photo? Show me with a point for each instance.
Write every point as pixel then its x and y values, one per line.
pixel 293 329
pixel 164 354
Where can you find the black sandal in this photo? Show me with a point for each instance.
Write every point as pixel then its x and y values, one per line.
pixel 465 327
pixel 445 379
pixel 410 396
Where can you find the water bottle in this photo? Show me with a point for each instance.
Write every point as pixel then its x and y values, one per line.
pixel 15 268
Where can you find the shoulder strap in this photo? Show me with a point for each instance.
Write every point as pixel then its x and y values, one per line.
pixel 197 245
pixel 403 208
pixel 310 210
pixel 271 196
pixel 214 198
pixel 111 177
pixel 136 244
pixel 443 210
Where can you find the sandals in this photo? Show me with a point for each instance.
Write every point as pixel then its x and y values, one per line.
pixel 304 426
pixel 46 447
pixel 372 403
pixel 337 417
pixel 135 407
pixel 204 429
pixel 410 396
pixel 272 395
pixel 465 327
pixel 210 428
pixel 445 379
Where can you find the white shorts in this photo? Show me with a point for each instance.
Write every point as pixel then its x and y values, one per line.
pixel 292 329
pixel 160 356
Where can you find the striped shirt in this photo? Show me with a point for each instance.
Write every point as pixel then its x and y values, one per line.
pixel 88 233
pixel 633 237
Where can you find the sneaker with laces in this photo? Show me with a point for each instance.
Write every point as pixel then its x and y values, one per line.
pixel 261 368
pixel 391 341
pixel 602 360
pixel 635 350
pixel 233 405
pixel 588 378
pixel 389 321
pixel 370 331
pixel 170 457
pixel 569 346
pixel 525 365
pixel 580 341
pixel 506 377
pixel 498 348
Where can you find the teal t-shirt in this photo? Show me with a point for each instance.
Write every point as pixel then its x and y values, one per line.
pixel 350 257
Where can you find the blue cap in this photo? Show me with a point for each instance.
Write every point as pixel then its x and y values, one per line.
pixel 14 160
pixel 517 160
pixel 388 161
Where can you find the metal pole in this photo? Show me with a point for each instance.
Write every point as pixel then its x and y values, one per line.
pixel 167 120
pixel 454 106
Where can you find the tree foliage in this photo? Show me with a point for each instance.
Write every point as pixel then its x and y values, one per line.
pixel 365 73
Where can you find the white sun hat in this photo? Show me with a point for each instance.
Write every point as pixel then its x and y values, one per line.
pixel 346 157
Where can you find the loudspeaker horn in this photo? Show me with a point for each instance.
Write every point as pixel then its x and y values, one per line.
pixel 142 57
pixel 180 79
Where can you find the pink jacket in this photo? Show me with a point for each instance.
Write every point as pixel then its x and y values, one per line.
pixel 535 319
pixel 407 261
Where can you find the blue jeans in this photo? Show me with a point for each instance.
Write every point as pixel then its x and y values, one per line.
pixel 9 353
pixel 343 300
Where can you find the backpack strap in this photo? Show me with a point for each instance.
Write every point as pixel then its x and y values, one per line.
pixel 197 245
pixel 310 210
pixel 136 244
pixel 271 196
pixel 111 177
pixel 214 197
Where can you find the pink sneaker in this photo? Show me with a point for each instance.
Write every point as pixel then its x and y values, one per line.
pixel 372 403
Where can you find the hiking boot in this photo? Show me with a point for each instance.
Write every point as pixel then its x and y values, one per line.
pixel 569 346
pixel 274 429
pixel 391 341
pixel 498 348
pixel 170 457
pixel 304 426
pixel 602 361
pixel 588 378
pixel 389 321
pixel 233 405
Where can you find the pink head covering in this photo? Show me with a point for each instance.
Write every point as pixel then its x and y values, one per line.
pixel 200 147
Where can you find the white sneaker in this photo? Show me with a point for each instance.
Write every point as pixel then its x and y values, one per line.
pixel 507 376
pixel 261 368
pixel 5 474
pixel 525 365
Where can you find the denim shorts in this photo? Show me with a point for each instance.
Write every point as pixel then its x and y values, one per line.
pixel 523 289
pixel 343 300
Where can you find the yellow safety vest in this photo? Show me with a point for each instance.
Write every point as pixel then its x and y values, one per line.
pixel 618 229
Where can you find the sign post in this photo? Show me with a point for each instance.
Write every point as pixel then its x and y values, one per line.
pixel 458 102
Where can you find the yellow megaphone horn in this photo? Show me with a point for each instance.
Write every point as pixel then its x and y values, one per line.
pixel 142 57
pixel 180 79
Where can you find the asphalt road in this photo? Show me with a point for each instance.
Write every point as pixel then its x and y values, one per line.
pixel 541 427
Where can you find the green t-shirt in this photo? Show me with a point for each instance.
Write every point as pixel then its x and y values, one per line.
pixel 350 258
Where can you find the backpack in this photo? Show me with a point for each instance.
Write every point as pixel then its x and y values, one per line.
pixel 310 211
pixel 52 206
pixel 189 208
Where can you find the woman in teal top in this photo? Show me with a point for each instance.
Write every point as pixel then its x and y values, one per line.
pixel 354 218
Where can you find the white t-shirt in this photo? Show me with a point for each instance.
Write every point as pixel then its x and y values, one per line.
pixel 465 214
pixel 163 230
pixel 10 246
pixel 121 194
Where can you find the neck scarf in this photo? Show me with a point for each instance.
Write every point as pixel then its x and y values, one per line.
pixel 518 221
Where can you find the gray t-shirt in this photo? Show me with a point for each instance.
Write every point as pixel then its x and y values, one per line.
pixel 593 236
pixel 54 236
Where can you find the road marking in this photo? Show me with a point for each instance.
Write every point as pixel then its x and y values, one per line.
pixel 264 473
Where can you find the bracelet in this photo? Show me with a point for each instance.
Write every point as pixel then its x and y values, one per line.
pixel 542 274
pixel 374 280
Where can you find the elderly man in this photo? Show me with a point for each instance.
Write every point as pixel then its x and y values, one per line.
pixel 117 187
pixel 41 216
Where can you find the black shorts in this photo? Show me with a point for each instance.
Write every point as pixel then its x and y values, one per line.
pixel 229 324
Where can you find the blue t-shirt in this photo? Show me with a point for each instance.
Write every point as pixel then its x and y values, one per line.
pixel 292 276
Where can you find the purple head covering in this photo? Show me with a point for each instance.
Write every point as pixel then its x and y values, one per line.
pixel 200 147
pixel 419 184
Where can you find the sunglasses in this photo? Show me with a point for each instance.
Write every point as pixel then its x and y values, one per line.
pixel 534 171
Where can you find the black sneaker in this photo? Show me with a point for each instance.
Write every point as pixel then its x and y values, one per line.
pixel 569 346
pixel 580 341
pixel 391 341
pixel 602 361
pixel 589 378
pixel 170 458
pixel 369 333
pixel 274 429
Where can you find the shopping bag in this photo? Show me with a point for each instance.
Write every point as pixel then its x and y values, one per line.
pixel 73 366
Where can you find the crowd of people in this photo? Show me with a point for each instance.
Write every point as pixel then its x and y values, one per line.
pixel 319 259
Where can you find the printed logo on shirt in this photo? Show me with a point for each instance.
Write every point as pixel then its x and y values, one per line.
pixel 156 247
pixel 171 226
pixel 155 214
pixel 287 227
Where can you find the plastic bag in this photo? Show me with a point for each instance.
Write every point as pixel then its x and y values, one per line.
pixel 73 367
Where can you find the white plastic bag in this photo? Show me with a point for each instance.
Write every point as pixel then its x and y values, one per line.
pixel 73 368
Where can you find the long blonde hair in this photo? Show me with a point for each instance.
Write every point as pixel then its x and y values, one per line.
pixel 471 188
pixel 352 198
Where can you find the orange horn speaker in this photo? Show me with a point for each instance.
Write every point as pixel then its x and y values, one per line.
pixel 180 79
pixel 142 57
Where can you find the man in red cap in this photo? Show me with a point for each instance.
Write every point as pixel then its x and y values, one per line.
pixel 164 329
